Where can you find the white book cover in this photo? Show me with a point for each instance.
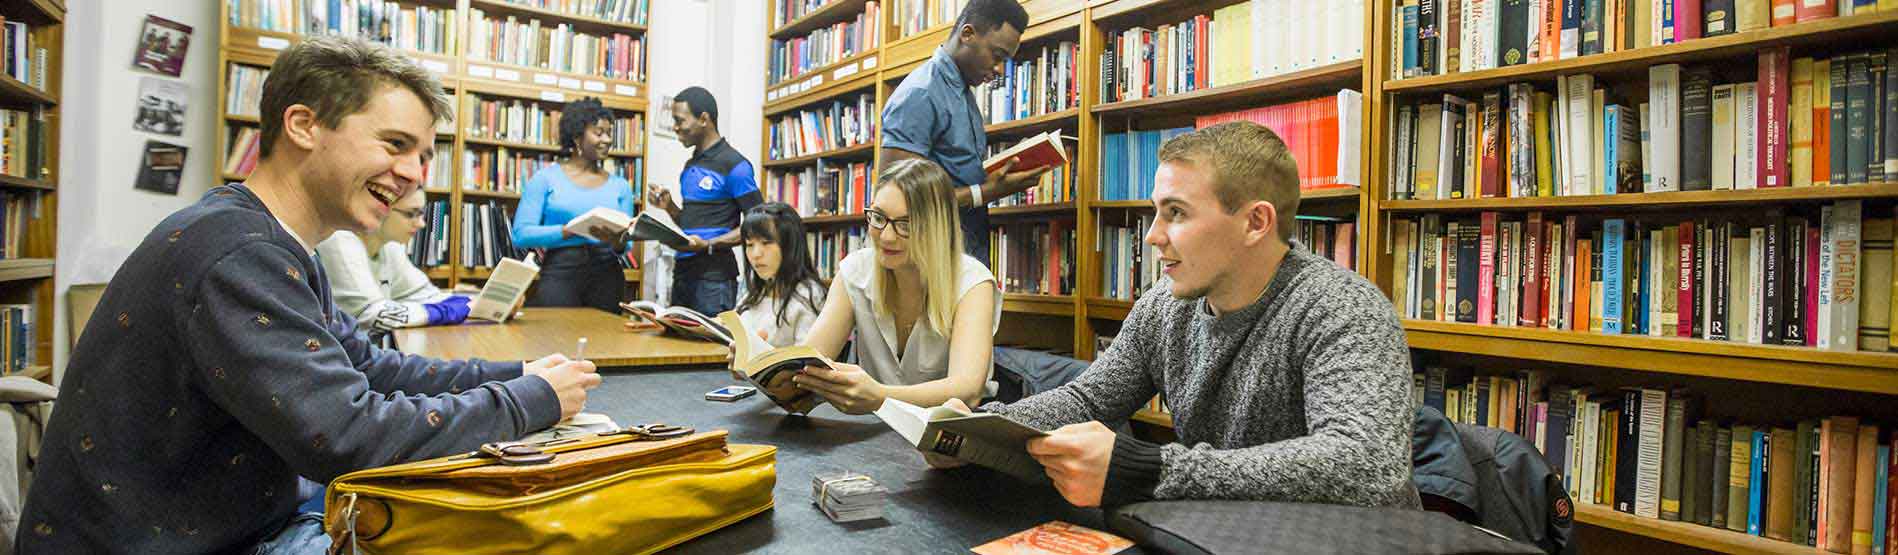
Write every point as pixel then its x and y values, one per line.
pixel 1746 129
pixel 1558 122
pixel 1571 44
pixel 1823 332
pixel 1739 292
pixel 1454 112
pixel 1582 137
pixel 1657 255
pixel 505 288
pixel 1350 129
pixel 1722 153
pixel 1664 87
pixel 1657 14
pixel 1534 29
pixel 1755 284
pixel 1647 148
pixel 1591 435
pixel 1466 54
pixel 1354 39
pixel 1647 495
pixel 1266 38
pixel 1845 274
pixel 1708 279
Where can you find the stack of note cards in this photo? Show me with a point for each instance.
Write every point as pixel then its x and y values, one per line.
pixel 1056 538
pixel 848 496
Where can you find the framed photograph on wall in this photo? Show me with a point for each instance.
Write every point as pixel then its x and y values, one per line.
pixel 162 45
pixel 161 106
pixel 160 169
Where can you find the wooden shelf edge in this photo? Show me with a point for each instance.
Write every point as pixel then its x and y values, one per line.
pixel 14 89
pixel 510 144
pixel 1693 535
pixel 1651 200
pixel 868 148
pixel 1029 303
pixel 834 219
pixel 1308 195
pixel 1034 123
pixel 829 90
pixel 22 269
pixel 26 183
pixel 1683 52
pixel 1347 74
pixel 1108 309
pixel 489 194
pixel 1026 209
pixel 1802 366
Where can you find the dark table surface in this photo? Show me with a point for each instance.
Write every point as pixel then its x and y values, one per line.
pixel 929 511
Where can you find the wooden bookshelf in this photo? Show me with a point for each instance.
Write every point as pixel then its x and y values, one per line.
pixel 1025 303
pixel 835 219
pixel 1691 535
pixel 859 152
pixel 844 78
pixel 1651 201
pixel 27 277
pixel 462 75
pixel 1297 85
pixel 1034 124
pixel 835 11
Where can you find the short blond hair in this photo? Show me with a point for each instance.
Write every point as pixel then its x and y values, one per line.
pixel 1248 162
pixel 336 77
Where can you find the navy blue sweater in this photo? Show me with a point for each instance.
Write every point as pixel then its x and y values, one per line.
pixel 215 371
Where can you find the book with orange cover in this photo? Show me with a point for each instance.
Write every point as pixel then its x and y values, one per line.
pixel 1864 487
pixel 1056 538
pixel 1841 460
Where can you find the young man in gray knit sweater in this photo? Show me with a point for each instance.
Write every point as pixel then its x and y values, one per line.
pixel 1288 375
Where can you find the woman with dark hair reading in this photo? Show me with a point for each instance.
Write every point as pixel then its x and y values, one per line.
pixel 579 270
pixel 783 292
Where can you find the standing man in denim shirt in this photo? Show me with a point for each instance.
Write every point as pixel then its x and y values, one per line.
pixel 719 186
pixel 932 114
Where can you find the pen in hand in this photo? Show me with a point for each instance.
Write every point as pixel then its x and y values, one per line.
pixel 580 351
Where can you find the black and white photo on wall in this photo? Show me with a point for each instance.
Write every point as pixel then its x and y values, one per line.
pixel 161 106
pixel 162 44
pixel 161 167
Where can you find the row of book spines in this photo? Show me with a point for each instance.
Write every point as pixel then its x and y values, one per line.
pixel 559 48
pixel 1433 37
pixel 334 15
pixel 23 143
pixel 1781 279
pixel 1648 452
pixel 915 16
pixel 1041 84
pixel 529 122
pixel 794 57
pixel 1034 259
pixel 1233 44
pixel 1803 122
pixel 22 208
pixel 25 61
pixel 1055 186
pixel 246 84
pixel 823 190
pixel 17 330
pixel 786 11
pixel 486 235
pixel 844 123
pixel 1336 241
pixel 620 11
pixel 1128 264
pixel 830 247
pixel 505 170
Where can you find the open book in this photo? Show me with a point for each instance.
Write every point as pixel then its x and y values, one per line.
pixel 614 221
pixel 686 322
pixel 985 439
pixel 770 370
pixel 648 227
pixel 1039 151
pixel 505 289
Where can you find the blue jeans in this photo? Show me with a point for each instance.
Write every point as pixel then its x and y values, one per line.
pixel 708 296
pixel 302 535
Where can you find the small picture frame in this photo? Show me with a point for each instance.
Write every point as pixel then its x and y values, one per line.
pixel 162 45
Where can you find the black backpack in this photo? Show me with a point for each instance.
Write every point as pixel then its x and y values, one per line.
pixel 1491 478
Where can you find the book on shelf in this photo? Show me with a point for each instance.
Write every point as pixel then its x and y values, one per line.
pixel 245 89
pixel 1129 160
pixel 1128 264
pixel 829 247
pixel 429 247
pixel 984 439
pixel 554 46
pixel 486 234
pixel 24 58
pixel 1793 276
pixel 837 124
pixel 825 188
pixel 1649 452
pixel 1248 41
pixel 766 368
pixel 505 289
pixel 409 26
pixel 1035 258
pixel 798 56
pixel 241 157
pixel 18 332
pixel 619 11
pixel 506 170
pixel 915 16
pixel 1321 133
pixel 1783 128
pixel 1041 81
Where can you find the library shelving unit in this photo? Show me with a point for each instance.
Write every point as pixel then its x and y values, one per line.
pixel 468 77
pixel 1743 381
pixel 26 274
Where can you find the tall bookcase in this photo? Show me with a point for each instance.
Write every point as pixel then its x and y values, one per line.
pixel 470 77
pixel 32 207
pixel 1064 323
pixel 1735 381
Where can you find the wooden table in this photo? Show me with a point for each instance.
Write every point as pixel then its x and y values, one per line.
pixel 543 331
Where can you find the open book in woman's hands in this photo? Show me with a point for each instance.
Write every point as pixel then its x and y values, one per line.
pixel 771 370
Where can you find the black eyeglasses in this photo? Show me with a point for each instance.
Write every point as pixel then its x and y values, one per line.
pixel 878 220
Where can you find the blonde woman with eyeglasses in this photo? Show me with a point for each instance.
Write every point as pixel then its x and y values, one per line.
pixel 924 314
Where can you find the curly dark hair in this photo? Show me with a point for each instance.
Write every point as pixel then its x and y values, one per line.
pixel 576 117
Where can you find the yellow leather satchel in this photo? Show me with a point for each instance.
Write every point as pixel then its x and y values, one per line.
pixel 637 490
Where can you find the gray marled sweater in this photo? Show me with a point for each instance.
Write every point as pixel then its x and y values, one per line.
pixel 1302 396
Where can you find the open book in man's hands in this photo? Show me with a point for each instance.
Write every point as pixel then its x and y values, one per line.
pixel 680 320
pixel 614 222
pixel 1033 153
pixel 502 295
pixel 985 439
pixel 771 370
pixel 648 227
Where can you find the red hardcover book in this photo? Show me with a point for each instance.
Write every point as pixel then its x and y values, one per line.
pixel 1486 270
pixel 1812 285
pixel 1326 143
pixel 1490 184
pixel 1040 151
pixel 1532 272
pixel 1687 20
pixel 1686 301
pixel 1784 13
pixel 1774 98
pixel 1202 50
pixel 1551 268
pixel 1808 10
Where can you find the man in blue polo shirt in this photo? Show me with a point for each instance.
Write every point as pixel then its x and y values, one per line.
pixel 932 114
pixel 718 186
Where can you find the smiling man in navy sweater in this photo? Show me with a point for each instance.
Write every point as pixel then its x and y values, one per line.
pixel 217 370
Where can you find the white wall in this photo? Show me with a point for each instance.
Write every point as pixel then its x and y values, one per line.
pixel 717 44
pixel 101 217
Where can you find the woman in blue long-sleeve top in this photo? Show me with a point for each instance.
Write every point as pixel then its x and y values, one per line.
pixel 579 270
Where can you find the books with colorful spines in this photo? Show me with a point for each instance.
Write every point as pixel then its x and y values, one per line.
pixel 680 320
pixel 770 370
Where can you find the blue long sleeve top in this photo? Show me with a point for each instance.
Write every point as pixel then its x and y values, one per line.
pixel 550 200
